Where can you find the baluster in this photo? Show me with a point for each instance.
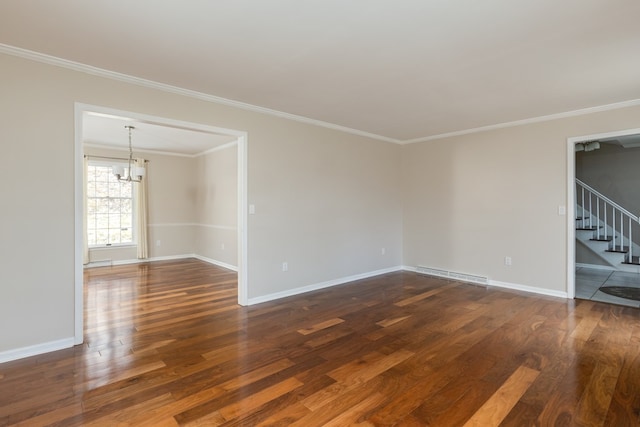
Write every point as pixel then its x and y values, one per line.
pixel 583 206
pixel 598 217
pixel 621 232
pixel 575 202
pixel 590 210
pixel 613 226
pixel 605 220
pixel 630 244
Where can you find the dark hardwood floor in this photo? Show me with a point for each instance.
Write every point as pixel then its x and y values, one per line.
pixel 166 344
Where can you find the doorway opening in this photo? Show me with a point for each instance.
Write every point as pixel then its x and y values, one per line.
pixel 594 240
pixel 91 116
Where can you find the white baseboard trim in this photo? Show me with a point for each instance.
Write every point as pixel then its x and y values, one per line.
pixel 596 266
pixel 218 263
pixel 322 285
pixel 530 289
pixel 107 263
pixel 513 286
pixel 34 350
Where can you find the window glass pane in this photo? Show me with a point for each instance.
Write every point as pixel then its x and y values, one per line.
pixel 114 221
pixel 102 189
pixel 102 174
pixel 126 236
pixel 125 221
pixel 102 236
pixel 114 235
pixel 114 189
pixel 102 205
pixel 91 206
pixel 91 173
pixel 125 190
pixel 109 207
pixel 126 206
pixel 102 221
pixel 115 205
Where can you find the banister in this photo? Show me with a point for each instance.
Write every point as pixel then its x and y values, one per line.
pixel 608 200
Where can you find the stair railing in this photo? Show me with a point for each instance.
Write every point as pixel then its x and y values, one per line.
pixel 586 199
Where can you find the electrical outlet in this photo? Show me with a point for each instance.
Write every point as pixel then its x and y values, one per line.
pixel 285 266
pixel 158 243
pixel 383 251
pixel 507 260
pixel 222 246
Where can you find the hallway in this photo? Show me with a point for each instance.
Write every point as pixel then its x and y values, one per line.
pixel 591 281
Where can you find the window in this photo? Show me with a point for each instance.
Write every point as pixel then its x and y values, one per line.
pixel 109 208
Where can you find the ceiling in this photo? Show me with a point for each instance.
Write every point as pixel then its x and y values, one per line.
pixel 107 130
pixel 401 71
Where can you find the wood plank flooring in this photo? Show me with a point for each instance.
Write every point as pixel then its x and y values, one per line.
pixel 166 345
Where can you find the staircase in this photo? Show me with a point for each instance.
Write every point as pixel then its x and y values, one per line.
pixel 607 229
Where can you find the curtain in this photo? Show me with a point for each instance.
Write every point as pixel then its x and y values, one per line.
pixel 141 212
pixel 85 240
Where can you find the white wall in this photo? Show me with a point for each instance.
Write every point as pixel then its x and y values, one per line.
pixel 471 200
pixel 326 201
pixel 172 187
pixel 216 201
pixel 614 171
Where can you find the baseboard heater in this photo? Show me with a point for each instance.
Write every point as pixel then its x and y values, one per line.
pixel 463 277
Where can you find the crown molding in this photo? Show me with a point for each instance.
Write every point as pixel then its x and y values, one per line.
pixel 52 60
pixel 100 72
pixel 573 113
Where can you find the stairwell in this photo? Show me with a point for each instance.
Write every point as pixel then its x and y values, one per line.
pixel 606 229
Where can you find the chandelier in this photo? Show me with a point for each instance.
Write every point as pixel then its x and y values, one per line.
pixel 134 173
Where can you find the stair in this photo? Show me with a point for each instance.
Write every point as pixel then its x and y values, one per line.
pixel 607 229
pixel 601 246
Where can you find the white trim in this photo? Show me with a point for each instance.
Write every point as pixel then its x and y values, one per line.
pixel 570 203
pixel 217 227
pixel 34 350
pixel 194 224
pixel 530 289
pixel 549 117
pixel 100 72
pixel 218 148
pixel 506 285
pixel 571 220
pixel 242 221
pixel 78 280
pixel 216 262
pixel 596 266
pixel 109 262
pixel 80 109
pixel 59 62
pixel 318 286
pixel 138 150
pixel 162 153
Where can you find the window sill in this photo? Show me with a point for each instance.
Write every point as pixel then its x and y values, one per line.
pixel 102 248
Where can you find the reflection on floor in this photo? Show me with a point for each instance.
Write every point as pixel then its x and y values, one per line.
pixel 590 280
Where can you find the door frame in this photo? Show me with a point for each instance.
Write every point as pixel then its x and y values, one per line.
pixel 571 197
pixel 242 148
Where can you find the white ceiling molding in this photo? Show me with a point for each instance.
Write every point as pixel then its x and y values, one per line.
pixel 581 112
pixel 76 66
pixel 52 60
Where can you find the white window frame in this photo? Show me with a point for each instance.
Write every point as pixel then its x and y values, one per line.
pixel 134 207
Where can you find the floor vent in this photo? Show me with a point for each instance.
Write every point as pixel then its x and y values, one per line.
pixel 463 277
